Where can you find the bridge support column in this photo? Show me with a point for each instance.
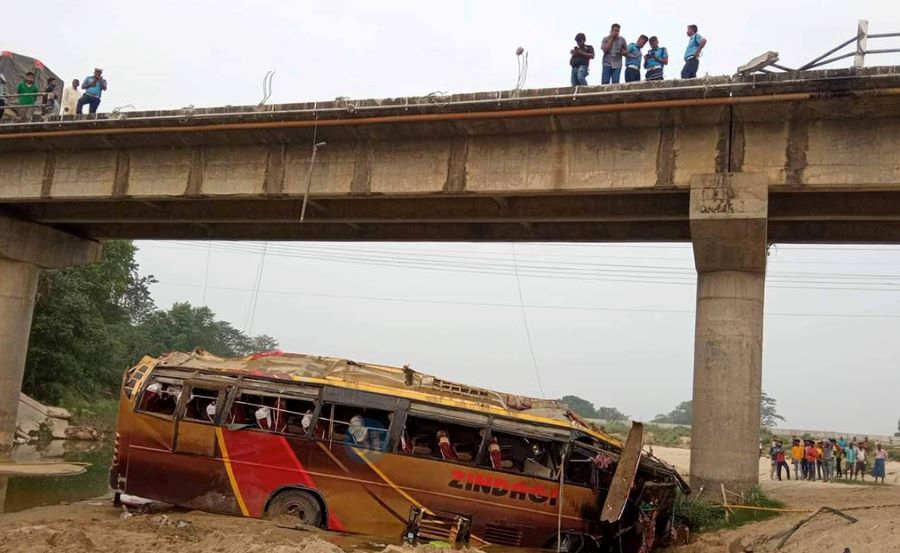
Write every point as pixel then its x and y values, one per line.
pixel 25 248
pixel 728 229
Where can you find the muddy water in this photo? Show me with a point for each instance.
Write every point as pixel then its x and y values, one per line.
pixel 34 491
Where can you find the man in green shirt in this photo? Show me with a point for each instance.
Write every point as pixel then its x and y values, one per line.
pixel 27 91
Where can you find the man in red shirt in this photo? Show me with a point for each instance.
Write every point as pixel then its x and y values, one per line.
pixel 780 460
pixel 811 456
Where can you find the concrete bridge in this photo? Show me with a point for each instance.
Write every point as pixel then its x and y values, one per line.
pixel 730 164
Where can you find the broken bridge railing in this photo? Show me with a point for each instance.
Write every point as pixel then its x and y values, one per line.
pixel 770 59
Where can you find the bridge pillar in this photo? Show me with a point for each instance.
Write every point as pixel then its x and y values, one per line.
pixel 728 229
pixel 25 248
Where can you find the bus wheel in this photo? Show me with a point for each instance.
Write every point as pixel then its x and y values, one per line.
pixel 295 506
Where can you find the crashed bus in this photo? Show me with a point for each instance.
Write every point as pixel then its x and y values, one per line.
pixel 381 451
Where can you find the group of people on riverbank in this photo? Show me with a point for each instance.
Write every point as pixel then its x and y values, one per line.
pixel 828 459
pixel 617 50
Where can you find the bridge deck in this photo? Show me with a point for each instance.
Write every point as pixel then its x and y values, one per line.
pixel 597 163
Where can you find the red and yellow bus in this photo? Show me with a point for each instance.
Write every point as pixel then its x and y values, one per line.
pixel 354 447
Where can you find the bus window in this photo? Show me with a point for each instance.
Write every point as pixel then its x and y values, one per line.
pixel 589 468
pixel 424 437
pixel 299 414
pixel 273 413
pixel 202 405
pixel 160 397
pixel 579 467
pixel 359 426
pixel 530 456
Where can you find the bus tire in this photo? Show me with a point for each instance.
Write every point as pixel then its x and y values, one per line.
pixel 295 506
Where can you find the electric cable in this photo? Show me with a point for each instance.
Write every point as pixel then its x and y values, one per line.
pixel 428 301
pixel 534 363
pixel 254 297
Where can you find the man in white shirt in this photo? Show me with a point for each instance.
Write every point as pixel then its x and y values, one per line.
pixel 70 97
pixel 861 462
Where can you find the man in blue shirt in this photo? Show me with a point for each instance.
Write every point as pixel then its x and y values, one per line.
pixel 654 60
pixel 93 87
pixel 633 60
pixel 696 43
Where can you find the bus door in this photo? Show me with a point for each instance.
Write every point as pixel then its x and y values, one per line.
pixel 195 430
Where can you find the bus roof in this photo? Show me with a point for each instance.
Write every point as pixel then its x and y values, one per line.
pixel 401 381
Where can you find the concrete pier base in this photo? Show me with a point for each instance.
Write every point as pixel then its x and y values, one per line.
pixel 728 230
pixel 25 248
pixel 18 283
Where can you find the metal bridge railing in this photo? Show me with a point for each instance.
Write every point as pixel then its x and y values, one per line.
pixel 770 59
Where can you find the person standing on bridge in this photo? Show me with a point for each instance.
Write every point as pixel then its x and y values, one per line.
pixel 655 60
pixel 93 87
pixel 70 99
pixel 614 47
pixel 27 91
pixel 696 43
pixel 581 58
pixel 633 60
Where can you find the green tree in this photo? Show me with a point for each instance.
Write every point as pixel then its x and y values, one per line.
pixel 580 407
pixel 81 329
pixel 768 411
pixel 92 322
pixel 184 327
pixel 682 414
pixel 611 414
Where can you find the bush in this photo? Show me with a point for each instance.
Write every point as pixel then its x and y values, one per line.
pixel 705 516
pixel 667 435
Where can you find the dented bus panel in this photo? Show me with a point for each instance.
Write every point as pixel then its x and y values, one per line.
pixel 354 447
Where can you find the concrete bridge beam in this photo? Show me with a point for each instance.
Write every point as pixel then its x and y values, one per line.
pixel 728 219
pixel 25 248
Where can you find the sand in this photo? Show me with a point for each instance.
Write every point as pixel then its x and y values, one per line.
pixel 877 507
pixel 97 527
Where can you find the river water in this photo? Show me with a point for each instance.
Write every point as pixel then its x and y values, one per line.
pixel 25 492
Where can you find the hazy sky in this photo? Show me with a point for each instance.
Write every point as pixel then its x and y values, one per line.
pixel 611 323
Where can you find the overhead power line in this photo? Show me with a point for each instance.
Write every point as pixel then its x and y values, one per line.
pixel 389 299
pixel 572 270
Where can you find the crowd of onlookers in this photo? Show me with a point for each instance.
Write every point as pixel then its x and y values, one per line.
pixel 54 99
pixel 828 460
pixel 618 52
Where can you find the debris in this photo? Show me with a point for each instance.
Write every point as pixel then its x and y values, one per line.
pixel 83 433
pixel 758 63
pixel 807 519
